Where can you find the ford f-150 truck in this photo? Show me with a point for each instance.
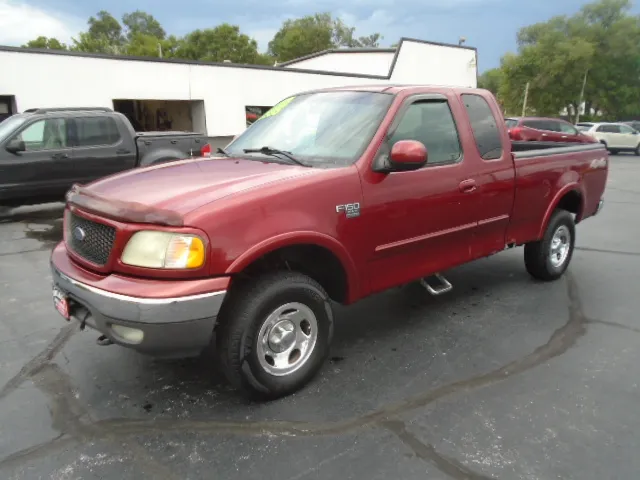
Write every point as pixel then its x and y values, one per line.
pixel 44 151
pixel 331 196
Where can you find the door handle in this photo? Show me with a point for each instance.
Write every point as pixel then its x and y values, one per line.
pixel 174 142
pixel 467 186
pixel 564 136
pixel 59 156
pixel 122 151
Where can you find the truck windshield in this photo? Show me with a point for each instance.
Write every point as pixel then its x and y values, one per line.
pixel 10 125
pixel 323 128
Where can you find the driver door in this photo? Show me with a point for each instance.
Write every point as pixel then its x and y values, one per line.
pixel 420 222
pixel 36 171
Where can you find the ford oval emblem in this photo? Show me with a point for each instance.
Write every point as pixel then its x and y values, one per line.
pixel 78 234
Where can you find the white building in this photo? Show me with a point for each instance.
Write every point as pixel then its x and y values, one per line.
pixel 213 98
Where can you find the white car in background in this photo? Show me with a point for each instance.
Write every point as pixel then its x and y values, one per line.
pixel 617 137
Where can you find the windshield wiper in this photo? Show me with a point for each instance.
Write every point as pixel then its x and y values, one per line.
pixel 274 152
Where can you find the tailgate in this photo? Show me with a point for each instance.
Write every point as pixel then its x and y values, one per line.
pixel 176 146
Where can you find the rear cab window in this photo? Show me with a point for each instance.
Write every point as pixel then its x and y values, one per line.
pixel 431 123
pixel 97 131
pixel 484 126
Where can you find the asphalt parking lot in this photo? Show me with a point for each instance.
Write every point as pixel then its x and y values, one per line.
pixel 502 378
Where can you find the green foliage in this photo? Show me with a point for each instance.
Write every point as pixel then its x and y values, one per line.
pixel 602 41
pixel 141 23
pixel 314 33
pixel 224 42
pixel 46 43
pixel 491 80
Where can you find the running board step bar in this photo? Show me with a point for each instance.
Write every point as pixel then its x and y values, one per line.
pixel 436 284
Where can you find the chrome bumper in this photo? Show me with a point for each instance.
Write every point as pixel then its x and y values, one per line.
pixel 172 327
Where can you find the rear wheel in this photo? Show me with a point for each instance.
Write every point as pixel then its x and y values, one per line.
pixel 637 151
pixel 274 334
pixel 549 258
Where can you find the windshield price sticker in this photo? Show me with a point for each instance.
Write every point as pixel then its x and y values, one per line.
pixel 276 110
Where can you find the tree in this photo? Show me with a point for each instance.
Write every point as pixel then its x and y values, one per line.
pixel 602 42
pixel 106 27
pixel 491 80
pixel 314 33
pixel 142 23
pixel 46 43
pixel 103 36
pixel 144 45
pixel 224 42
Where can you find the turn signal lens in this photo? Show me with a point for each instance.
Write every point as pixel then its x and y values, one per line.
pixel 153 249
pixel 184 252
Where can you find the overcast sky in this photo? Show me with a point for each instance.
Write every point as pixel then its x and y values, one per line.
pixel 489 25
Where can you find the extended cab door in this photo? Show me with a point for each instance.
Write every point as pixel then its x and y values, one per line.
pixel 492 172
pixel 419 222
pixel 38 171
pixel 101 148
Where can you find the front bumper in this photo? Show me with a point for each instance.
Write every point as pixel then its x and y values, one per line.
pixel 171 327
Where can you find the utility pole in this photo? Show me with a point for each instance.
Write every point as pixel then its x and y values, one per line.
pixel 526 96
pixel 584 83
pixel 160 50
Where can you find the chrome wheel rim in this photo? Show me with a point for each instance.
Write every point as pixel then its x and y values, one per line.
pixel 287 338
pixel 560 246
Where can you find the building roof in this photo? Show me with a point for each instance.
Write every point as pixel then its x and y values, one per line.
pixel 396 51
pixel 337 50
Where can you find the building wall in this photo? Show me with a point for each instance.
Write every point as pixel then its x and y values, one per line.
pixel 55 80
pixel 363 63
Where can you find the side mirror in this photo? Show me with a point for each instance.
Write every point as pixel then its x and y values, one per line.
pixel 15 145
pixel 407 155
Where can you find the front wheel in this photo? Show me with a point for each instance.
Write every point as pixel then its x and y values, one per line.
pixel 274 334
pixel 548 259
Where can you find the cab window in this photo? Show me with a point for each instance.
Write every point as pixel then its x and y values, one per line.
pixel 46 134
pixel 431 123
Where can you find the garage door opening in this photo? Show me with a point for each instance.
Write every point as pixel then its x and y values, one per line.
pixel 163 115
pixel 7 106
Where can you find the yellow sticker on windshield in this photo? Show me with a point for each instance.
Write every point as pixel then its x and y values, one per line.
pixel 276 110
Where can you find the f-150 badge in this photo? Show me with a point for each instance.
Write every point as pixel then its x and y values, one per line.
pixel 351 210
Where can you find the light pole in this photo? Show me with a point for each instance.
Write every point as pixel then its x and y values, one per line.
pixel 461 41
pixel 584 83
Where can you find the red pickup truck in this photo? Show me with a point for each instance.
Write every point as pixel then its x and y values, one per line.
pixel 331 196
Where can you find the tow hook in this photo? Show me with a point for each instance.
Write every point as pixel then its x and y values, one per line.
pixel 103 341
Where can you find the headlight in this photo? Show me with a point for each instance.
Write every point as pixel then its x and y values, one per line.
pixel 153 249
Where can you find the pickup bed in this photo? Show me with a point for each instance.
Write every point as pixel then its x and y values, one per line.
pixel 43 152
pixel 331 196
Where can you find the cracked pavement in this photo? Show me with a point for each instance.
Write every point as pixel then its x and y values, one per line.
pixel 502 378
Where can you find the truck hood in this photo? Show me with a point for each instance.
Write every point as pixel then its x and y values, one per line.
pixel 177 188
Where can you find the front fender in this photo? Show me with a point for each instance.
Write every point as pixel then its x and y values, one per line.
pixel 302 238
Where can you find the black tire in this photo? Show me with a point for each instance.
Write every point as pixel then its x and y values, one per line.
pixel 241 319
pixel 637 151
pixel 537 255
